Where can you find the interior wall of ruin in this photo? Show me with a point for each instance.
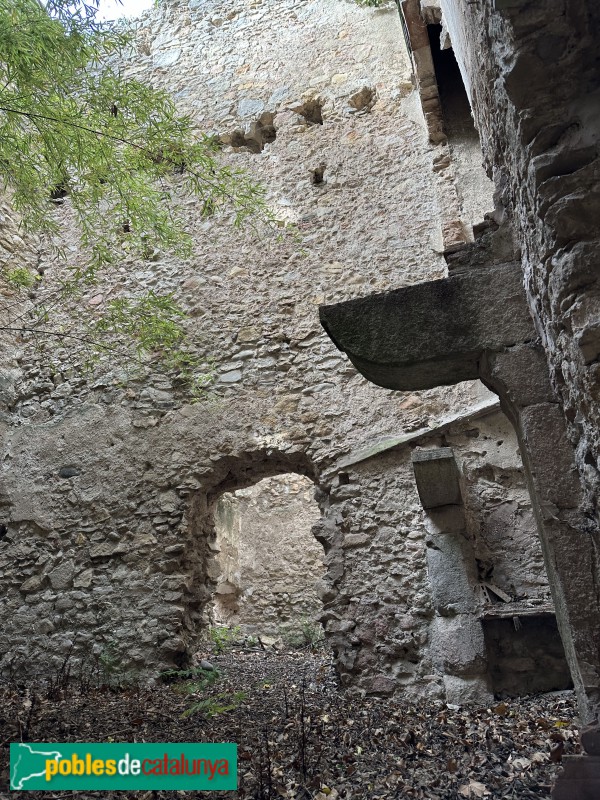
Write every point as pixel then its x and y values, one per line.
pixel 270 562
pixel 485 565
pixel 108 493
pixel 499 513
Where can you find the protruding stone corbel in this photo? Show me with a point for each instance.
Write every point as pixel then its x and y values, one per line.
pixel 436 473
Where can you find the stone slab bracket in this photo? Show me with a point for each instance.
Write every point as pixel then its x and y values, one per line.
pixel 436 473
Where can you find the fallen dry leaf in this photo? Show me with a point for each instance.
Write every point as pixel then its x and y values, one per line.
pixel 368 748
pixel 473 789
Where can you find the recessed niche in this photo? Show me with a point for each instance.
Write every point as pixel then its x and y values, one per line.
pixel 527 657
pixel 363 100
pixel 311 110
pixel 255 137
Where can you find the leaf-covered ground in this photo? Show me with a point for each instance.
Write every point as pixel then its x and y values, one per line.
pixel 300 737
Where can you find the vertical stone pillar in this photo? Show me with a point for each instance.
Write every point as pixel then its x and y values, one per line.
pixel 569 538
pixel 457 641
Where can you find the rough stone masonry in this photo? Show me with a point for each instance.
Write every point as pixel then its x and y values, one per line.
pixel 531 75
pixel 108 493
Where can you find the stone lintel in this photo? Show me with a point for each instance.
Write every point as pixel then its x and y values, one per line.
pixel 431 12
pixel 436 473
pixel 432 333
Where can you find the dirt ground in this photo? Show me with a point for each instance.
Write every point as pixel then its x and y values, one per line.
pixel 299 736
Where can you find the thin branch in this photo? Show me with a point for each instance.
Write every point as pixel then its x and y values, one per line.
pixel 120 139
pixel 58 334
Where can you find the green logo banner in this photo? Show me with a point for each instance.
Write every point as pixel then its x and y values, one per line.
pixel 92 766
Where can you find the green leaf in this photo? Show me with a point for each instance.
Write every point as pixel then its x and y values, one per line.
pixel 115 151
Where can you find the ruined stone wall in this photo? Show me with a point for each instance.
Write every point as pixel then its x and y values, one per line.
pixel 109 492
pixel 499 512
pixel 402 650
pixel 270 561
pixel 532 75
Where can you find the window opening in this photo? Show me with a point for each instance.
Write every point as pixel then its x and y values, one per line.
pixel 458 120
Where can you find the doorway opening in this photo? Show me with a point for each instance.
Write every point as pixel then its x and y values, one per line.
pixel 458 121
pixel 525 655
pixel 473 187
pixel 268 563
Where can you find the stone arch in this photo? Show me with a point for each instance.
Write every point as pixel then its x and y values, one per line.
pixel 197 555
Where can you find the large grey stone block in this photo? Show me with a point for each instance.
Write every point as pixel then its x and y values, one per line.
pixel 434 333
pixel 458 646
pixel 450 564
pixel 467 691
pixel 436 473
